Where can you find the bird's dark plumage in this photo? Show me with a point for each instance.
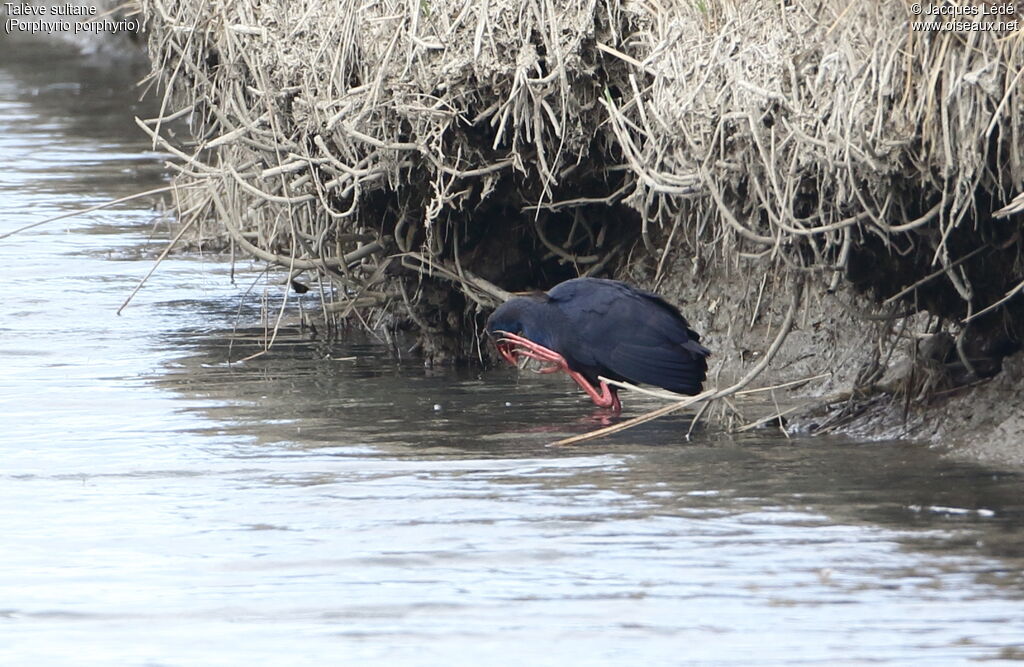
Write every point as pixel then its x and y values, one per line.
pixel 608 328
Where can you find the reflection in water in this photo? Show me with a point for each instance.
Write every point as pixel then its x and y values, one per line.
pixel 161 505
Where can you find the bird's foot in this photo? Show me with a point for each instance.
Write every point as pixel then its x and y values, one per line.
pixel 602 417
pixel 607 397
pixel 512 346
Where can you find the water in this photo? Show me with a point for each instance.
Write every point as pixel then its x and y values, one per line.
pixel 160 506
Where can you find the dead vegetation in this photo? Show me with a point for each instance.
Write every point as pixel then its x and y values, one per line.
pixel 421 157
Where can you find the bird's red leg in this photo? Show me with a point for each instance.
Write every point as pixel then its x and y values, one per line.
pixel 511 346
pixel 608 396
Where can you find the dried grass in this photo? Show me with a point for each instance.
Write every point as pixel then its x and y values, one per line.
pixel 360 141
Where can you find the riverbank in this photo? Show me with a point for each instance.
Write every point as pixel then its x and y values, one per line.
pixel 420 162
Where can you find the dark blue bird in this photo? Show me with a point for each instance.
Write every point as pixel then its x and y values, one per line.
pixel 590 327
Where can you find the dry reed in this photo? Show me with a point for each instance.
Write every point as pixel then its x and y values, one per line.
pixel 361 142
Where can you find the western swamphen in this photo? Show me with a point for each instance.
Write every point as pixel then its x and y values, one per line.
pixel 590 327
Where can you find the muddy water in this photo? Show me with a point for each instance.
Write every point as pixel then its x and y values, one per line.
pixel 161 506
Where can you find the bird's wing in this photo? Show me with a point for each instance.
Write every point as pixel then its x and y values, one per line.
pixel 602 298
pixel 660 366
pixel 657 350
pixel 633 334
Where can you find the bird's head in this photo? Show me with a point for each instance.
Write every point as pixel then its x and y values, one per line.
pixel 521 316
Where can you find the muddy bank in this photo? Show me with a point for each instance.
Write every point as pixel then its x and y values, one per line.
pixel 416 162
pixel 873 378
